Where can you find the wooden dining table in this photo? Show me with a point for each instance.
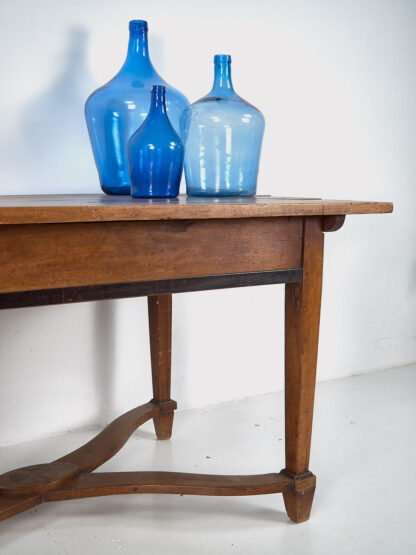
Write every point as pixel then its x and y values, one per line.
pixel 57 249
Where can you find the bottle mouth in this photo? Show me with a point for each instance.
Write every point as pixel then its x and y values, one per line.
pixel 222 59
pixel 158 89
pixel 137 25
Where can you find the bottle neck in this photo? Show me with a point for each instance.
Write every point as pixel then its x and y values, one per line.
pixel 138 59
pixel 158 100
pixel 223 86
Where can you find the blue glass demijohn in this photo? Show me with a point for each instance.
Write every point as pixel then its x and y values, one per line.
pixel 155 153
pixel 222 134
pixel 115 111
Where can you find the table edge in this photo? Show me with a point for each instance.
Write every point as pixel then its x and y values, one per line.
pixel 14 215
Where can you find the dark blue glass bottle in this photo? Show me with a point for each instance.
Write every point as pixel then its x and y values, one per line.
pixel 114 111
pixel 155 153
pixel 222 134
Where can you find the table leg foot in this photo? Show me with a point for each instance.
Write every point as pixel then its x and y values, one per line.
pixel 299 497
pixel 163 421
pixel 163 425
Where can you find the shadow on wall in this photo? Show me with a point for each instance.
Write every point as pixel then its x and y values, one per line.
pixel 53 136
pixel 59 369
pixel 52 141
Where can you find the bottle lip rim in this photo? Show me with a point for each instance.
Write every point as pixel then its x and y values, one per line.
pixel 159 88
pixel 221 58
pixel 137 24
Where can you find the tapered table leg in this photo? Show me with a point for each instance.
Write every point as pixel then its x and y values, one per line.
pixel 302 313
pixel 160 331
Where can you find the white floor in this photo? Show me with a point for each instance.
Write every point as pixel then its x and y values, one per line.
pixel 363 453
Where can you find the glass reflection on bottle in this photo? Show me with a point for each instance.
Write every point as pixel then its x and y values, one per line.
pixel 222 134
pixel 116 110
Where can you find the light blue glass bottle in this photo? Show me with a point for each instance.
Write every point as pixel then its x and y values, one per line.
pixel 116 110
pixel 155 153
pixel 222 134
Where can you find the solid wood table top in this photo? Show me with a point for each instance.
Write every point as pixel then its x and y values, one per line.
pixel 31 209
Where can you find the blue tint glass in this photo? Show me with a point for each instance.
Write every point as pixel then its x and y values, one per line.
pixel 155 153
pixel 117 109
pixel 222 134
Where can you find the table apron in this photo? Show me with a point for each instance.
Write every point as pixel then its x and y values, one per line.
pixel 39 257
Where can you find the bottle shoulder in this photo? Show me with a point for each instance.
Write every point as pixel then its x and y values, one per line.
pixel 135 86
pixel 156 127
pixel 209 105
pixel 128 81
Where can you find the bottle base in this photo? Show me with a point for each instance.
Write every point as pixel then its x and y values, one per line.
pixel 219 194
pixel 111 191
pixel 154 196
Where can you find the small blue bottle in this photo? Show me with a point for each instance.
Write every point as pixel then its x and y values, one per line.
pixel 155 153
pixel 222 134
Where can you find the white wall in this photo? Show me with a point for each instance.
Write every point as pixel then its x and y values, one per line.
pixel 336 81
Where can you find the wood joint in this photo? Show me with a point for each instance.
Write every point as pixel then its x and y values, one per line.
pixel 301 482
pixel 165 406
pixel 294 476
pixel 333 223
pixel 35 479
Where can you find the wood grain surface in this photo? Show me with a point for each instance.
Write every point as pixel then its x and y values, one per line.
pixel 302 316
pixel 49 256
pixel 38 478
pixel 160 335
pixel 11 506
pixel 108 442
pixel 114 483
pixel 29 209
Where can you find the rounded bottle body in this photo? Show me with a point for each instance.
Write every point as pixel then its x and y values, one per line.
pixel 222 134
pixel 116 110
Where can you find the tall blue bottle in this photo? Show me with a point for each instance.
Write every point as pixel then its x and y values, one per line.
pixel 155 153
pixel 222 134
pixel 114 111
